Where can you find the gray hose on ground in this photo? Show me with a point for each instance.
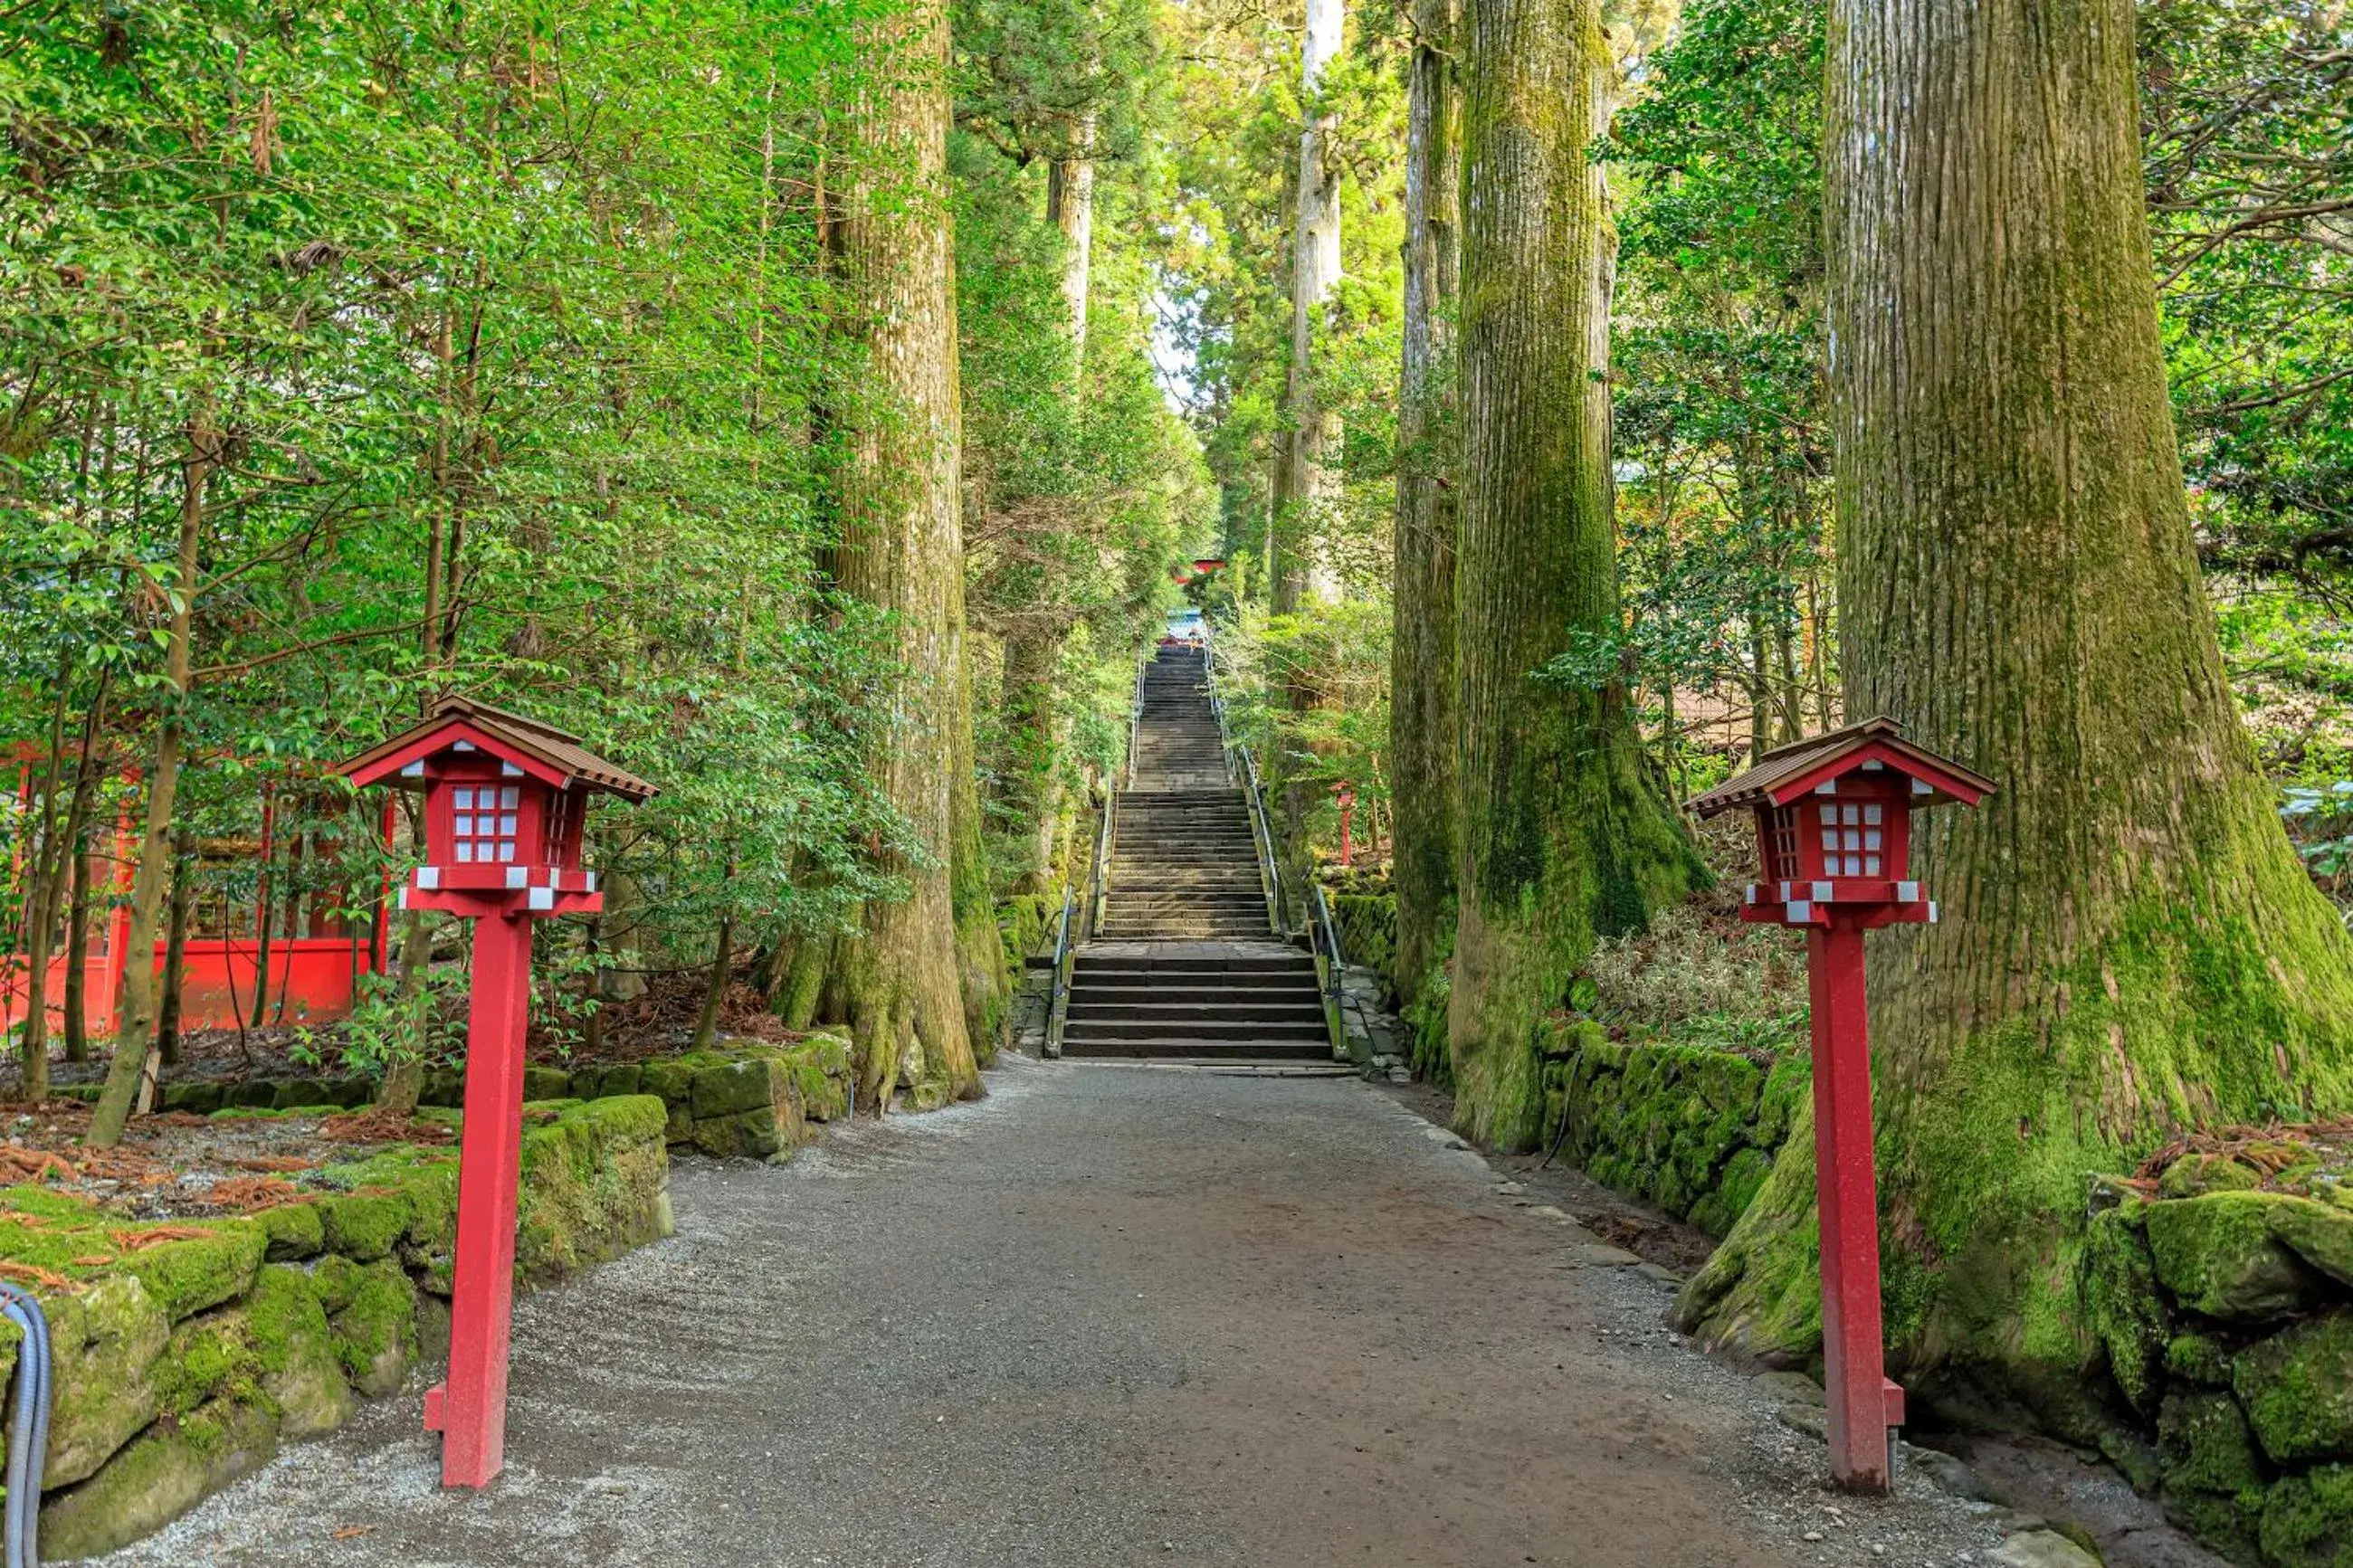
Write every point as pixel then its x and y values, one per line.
pixel 28 1455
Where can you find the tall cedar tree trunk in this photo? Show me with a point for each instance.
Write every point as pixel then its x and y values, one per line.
pixel 1033 653
pixel 1304 482
pixel 1422 645
pixel 1561 839
pixel 135 1017
pixel 2128 946
pixel 899 984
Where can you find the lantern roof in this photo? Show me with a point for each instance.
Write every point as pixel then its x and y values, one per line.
pixel 1786 772
pixel 552 756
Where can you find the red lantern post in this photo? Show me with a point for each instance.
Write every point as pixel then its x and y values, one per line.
pixel 504 796
pixel 1834 831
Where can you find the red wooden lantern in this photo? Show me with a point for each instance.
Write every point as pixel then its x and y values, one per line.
pixel 1834 836
pixel 504 797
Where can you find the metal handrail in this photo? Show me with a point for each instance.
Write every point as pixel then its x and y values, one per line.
pixel 1325 936
pixel 1135 717
pixel 1058 1008
pixel 1098 883
pixel 1263 832
pixel 1217 705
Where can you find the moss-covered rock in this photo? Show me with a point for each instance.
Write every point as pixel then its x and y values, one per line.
pixel 294 1350
pixel 199 1097
pixel 2193 1175
pixel 259 1094
pixel 106 1340
pixel 2217 1255
pixel 748 1083
pixel 2200 1359
pixel 2320 1234
pixel 2307 1520
pixel 595 1184
pixel 295 1230
pixel 672 1078
pixel 184 1277
pixel 365 1225
pixel 375 1332
pixel 545 1083
pixel 748 1135
pixel 2297 1388
pixel 2122 1306
pixel 172 1467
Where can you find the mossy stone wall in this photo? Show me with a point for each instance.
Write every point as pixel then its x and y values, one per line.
pixel 2224 1324
pixel 1367 925
pixel 183 1362
pixel 1689 1128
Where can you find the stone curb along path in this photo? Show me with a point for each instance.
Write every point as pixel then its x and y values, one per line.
pixel 1108 1315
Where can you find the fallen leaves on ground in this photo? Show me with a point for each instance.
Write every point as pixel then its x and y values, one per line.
pixel 18 1163
pixel 352 1532
pixel 155 1236
pixel 249 1194
pixel 31 1274
pixel 381 1124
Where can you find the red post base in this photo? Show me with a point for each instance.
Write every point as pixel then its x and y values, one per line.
pixel 470 1410
pixel 1862 1402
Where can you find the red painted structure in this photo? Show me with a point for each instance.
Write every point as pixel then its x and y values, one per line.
pixel 313 976
pixel 1834 836
pixel 1345 794
pixel 505 800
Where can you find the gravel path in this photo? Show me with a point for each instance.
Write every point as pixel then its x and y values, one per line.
pixel 1109 1315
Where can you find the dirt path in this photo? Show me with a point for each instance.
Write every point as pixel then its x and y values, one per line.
pixel 1111 1316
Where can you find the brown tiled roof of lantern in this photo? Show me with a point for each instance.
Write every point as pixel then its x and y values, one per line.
pixel 554 748
pixel 1781 767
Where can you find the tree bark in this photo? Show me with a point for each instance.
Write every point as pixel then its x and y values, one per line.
pixel 1305 487
pixel 2128 947
pixel 1561 839
pixel 1422 645
pixel 715 990
pixel 135 1027
pixel 900 983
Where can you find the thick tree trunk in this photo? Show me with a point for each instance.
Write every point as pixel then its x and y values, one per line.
pixel 1422 645
pixel 1305 486
pixel 1561 839
pixel 900 985
pixel 135 1017
pixel 2127 945
pixel 1032 770
pixel 1070 208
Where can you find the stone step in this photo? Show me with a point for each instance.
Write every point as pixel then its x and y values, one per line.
pixel 1186 1049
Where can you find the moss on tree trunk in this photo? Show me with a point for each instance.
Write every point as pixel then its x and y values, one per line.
pixel 1561 837
pixel 2128 946
pixel 900 983
pixel 1421 647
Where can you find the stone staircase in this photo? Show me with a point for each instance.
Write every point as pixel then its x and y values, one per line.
pixel 1184 966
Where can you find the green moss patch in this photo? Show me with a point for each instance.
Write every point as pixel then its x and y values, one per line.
pixel 2220 1258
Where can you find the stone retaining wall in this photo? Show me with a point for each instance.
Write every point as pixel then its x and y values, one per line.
pixel 186 1353
pixel 742 1097
pixel 2225 1315
pixel 1691 1129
